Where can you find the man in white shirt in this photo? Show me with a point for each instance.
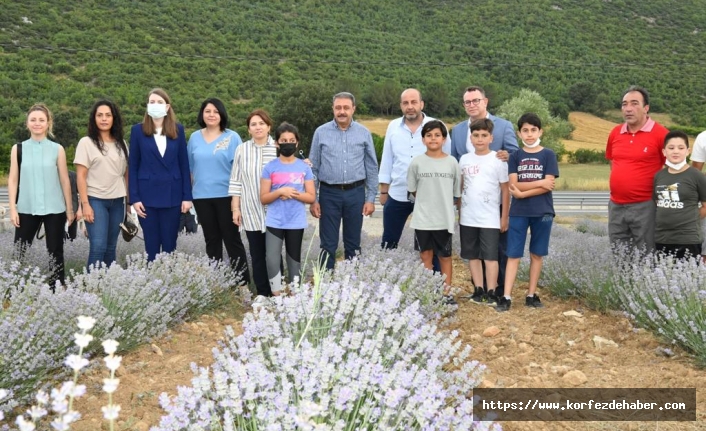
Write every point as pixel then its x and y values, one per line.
pixel 403 142
pixel 698 157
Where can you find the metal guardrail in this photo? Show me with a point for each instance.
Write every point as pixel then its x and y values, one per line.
pixel 564 202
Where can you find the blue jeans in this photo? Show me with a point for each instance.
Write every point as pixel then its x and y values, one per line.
pixel 103 232
pixel 394 216
pixel 340 205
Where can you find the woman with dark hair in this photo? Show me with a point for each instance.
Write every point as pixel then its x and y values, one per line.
pixel 158 172
pixel 244 187
pixel 101 176
pixel 211 152
pixel 38 166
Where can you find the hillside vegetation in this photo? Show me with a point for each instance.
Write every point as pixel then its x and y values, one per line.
pixel 289 56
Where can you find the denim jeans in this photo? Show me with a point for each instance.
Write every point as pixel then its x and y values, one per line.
pixel 103 232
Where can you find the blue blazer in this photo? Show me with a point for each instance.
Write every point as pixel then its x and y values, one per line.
pixel 156 181
pixel 504 137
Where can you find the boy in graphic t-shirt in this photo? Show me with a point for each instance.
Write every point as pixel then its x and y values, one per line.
pixel 434 179
pixel 678 189
pixel 532 171
pixel 484 186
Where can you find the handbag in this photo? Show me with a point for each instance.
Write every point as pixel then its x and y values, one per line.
pixel 128 227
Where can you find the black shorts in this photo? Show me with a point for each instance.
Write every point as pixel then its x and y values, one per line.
pixel 437 240
pixel 679 251
pixel 479 243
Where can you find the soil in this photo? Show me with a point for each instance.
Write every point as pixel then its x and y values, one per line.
pixel 533 348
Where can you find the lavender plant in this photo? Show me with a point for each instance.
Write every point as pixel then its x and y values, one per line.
pixel 667 296
pixel 59 402
pixel 333 355
pixel 134 304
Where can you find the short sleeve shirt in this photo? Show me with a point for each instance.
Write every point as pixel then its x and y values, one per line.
pixel 480 199
pixel 106 170
pixel 699 152
pixel 436 183
pixel 533 167
pixel 290 213
pixel 677 196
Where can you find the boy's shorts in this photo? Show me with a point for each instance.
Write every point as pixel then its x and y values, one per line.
pixel 437 240
pixel 540 230
pixel 479 243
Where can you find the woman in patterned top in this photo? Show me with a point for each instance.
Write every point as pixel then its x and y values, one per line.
pixel 248 212
pixel 211 152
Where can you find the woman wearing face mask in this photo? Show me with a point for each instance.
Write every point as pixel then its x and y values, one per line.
pixel 211 152
pixel 287 185
pixel 159 179
pixel 39 175
pixel 248 211
pixel 101 173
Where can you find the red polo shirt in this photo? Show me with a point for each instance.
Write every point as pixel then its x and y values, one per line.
pixel 636 158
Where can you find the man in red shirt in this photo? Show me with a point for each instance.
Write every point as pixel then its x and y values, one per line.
pixel 635 153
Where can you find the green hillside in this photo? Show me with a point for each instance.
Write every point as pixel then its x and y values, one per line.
pixel 579 54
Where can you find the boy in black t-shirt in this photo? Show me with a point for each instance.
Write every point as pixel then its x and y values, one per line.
pixel 678 189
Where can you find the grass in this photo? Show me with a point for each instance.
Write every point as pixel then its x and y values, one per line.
pixel 586 177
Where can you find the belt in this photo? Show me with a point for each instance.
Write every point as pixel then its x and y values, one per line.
pixel 343 186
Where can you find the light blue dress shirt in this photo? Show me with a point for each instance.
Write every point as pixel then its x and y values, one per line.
pixel 401 146
pixel 345 156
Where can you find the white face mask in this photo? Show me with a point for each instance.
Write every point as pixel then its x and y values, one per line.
pixel 157 110
pixel 536 144
pixel 676 166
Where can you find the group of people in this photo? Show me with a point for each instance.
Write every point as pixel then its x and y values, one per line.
pixel 475 171
pixel 657 201
pixel 161 175
pixel 499 189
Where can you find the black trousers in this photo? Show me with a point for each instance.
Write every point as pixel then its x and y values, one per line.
pixel 258 255
pixel 216 221
pixel 54 234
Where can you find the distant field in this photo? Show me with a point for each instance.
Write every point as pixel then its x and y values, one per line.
pixel 590 132
pixel 589 177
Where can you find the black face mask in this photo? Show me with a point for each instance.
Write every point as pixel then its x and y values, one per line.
pixel 287 150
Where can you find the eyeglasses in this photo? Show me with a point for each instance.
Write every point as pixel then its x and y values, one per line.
pixel 472 102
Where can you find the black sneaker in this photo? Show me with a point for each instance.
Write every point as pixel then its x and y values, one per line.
pixel 478 296
pixel 503 304
pixel 490 299
pixel 533 301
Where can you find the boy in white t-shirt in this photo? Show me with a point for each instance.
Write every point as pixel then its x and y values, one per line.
pixel 484 187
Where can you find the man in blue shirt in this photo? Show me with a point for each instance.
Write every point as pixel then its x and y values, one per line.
pixel 504 143
pixel 345 167
pixel 403 142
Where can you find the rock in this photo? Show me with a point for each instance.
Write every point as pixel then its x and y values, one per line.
pixel 524 347
pixel 141 426
pixel 475 337
pixel 491 331
pixel 493 350
pixel 176 358
pixel 580 319
pixel 575 378
pixel 594 357
pixel 156 350
pixel 571 343
pixel 601 342
pixel 572 313
pixel 664 351
pixel 560 369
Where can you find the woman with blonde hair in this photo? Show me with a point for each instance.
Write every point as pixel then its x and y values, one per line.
pixel 39 189
pixel 159 178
